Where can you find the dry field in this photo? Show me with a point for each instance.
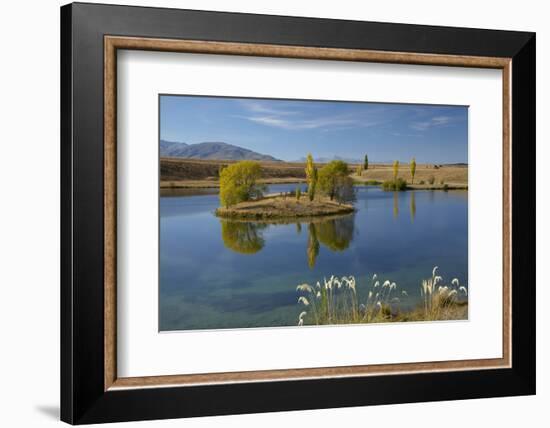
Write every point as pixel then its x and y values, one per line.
pixel 452 175
pixel 196 173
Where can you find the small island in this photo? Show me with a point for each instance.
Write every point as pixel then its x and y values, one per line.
pixel 330 191
pixel 272 207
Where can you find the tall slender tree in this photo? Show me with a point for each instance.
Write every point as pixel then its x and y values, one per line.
pixel 366 163
pixel 311 176
pixel 395 169
pixel 413 169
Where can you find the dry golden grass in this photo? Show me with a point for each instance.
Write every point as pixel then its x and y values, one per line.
pixel 452 175
pixel 197 173
pixel 178 170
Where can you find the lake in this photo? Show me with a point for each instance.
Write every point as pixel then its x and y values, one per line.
pixel 217 274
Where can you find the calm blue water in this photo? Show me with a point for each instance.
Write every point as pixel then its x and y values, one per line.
pixel 220 274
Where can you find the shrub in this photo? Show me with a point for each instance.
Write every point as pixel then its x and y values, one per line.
pixel 431 180
pixel 446 187
pixel 298 193
pixel 395 185
pixel 422 182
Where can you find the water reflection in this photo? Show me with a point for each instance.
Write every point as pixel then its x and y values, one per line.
pixel 413 206
pixel 335 233
pixel 312 245
pixel 243 237
pixel 395 204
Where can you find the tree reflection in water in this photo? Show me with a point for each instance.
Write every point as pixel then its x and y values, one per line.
pixel 247 238
pixel 243 237
pixel 312 246
pixel 413 206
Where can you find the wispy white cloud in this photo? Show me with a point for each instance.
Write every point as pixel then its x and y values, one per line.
pixel 255 106
pixel 291 119
pixel 434 122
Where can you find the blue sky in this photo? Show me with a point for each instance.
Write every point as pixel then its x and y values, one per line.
pixel 288 129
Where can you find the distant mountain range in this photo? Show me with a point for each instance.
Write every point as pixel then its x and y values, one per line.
pixel 210 150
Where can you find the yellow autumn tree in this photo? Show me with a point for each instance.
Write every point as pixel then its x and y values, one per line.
pixel 239 182
pixel 311 177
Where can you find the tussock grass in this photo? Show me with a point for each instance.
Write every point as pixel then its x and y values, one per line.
pixel 335 301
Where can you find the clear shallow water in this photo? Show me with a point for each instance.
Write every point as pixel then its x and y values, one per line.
pixel 220 274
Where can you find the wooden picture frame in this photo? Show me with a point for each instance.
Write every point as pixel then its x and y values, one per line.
pixel 91 390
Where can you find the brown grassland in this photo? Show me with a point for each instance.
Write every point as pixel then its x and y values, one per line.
pixel 177 173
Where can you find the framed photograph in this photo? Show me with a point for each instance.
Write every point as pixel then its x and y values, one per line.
pixel 265 213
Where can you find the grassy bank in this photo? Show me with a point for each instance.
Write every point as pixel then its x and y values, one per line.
pixel 284 207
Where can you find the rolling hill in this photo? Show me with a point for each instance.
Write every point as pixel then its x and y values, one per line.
pixel 210 150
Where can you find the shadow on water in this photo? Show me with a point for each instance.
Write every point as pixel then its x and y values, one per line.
pixel 334 233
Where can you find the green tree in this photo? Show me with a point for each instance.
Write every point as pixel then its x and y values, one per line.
pixel 331 177
pixel 366 163
pixel 238 183
pixel 413 169
pixel 298 193
pixel 395 169
pixel 311 176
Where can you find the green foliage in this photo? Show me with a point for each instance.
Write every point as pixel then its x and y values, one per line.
pixel 413 169
pixel 298 193
pixel 421 182
pixel 446 187
pixel 395 169
pixel 366 163
pixel 431 180
pixel 331 177
pixel 395 185
pixel 238 183
pixel 312 177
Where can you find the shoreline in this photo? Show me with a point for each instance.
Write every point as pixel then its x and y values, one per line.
pixel 276 207
pixel 212 184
